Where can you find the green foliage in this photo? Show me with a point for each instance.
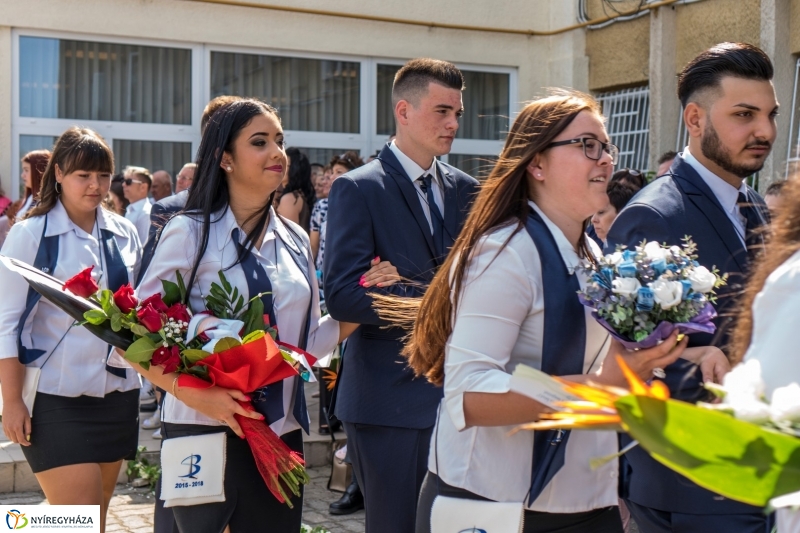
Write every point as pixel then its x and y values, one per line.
pixel 140 467
pixel 308 529
pixel 226 344
pixel 192 355
pixel 141 351
pixel 739 460
pixel 172 293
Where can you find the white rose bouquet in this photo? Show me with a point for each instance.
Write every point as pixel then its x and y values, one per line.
pixel 641 296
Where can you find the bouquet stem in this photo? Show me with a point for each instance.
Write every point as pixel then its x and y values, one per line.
pixel 282 469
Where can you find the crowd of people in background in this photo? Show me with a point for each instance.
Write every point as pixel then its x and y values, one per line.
pixel 470 263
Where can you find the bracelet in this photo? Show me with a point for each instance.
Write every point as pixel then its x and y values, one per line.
pixel 174 382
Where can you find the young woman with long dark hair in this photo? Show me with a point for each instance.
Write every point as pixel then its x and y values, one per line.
pixel 228 224
pixel 86 413
pixel 507 295
pixel 297 194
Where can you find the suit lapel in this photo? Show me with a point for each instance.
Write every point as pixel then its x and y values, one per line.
pixel 394 169
pixel 451 208
pixel 701 196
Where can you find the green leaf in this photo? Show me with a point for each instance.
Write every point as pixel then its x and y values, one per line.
pixel 226 344
pixel 95 316
pixel 253 336
pixel 181 287
pixel 139 330
pixel 225 282
pixel 194 356
pixel 217 292
pixel 736 459
pixel 141 351
pixel 253 318
pixel 116 320
pixel 172 293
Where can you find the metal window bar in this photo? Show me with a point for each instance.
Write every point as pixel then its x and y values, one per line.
pixel 627 115
pixel 793 150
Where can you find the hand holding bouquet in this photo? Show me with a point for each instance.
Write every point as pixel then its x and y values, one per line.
pixel 641 296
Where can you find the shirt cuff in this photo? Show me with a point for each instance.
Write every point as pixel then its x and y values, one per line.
pixel 490 382
pixel 8 346
pixel 324 340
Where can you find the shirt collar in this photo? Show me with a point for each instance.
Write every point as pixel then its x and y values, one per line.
pixel 413 170
pixel 138 205
pixel 567 250
pixel 226 222
pixel 58 222
pixel 727 195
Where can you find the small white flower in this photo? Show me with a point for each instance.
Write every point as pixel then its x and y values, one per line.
pixel 628 287
pixel 655 251
pixel 785 406
pixel 169 334
pixel 165 344
pixel 614 259
pixel 744 381
pixel 675 250
pixel 667 294
pixel 702 279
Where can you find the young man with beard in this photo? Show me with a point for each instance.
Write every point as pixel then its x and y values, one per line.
pixel 730 110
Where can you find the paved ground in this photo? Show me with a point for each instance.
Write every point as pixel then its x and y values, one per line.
pixel 132 509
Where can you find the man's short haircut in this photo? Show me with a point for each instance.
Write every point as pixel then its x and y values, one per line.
pixel 669 155
pixel 213 106
pixel 740 60
pixel 412 80
pixel 140 173
pixel 775 188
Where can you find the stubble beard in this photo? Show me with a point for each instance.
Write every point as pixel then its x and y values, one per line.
pixel 712 148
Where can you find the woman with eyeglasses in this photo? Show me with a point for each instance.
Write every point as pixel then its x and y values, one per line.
pixel 507 295
pixel 84 420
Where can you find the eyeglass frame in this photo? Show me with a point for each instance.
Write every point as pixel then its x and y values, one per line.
pixel 614 160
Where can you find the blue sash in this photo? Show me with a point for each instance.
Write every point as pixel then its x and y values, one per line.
pixel 564 345
pixel 46 261
pixel 269 400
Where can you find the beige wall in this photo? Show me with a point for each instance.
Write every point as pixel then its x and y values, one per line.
pixel 795 39
pixel 619 54
pixel 703 24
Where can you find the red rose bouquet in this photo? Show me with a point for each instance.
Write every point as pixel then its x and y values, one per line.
pixel 229 344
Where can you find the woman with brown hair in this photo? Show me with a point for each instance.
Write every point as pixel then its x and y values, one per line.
pixel 33 167
pixel 507 295
pixel 86 411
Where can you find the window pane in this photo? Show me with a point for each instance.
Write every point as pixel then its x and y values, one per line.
pixel 310 94
pixel 29 143
pixel 152 155
pixel 385 111
pixel 61 78
pixel 322 156
pixel 477 166
pixel 486 106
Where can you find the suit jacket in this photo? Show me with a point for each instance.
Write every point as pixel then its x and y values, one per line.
pixel 160 214
pixel 375 211
pixel 676 205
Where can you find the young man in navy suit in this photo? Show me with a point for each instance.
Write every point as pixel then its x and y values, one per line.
pixel 406 208
pixel 730 110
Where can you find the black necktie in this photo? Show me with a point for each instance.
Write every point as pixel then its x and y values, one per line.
pixel 437 221
pixel 754 238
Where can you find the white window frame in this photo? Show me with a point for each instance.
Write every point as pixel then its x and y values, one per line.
pixel 110 130
pixel 641 132
pixel 793 156
pixel 366 142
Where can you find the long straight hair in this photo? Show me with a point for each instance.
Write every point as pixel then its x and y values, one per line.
pixel 783 241
pixel 502 201
pixel 76 149
pixel 209 193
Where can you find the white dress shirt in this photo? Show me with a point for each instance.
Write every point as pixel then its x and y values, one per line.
pixel 176 251
pixel 78 365
pixel 415 172
pixel 25 208
pixel 498 325
pixel 139 213
pixel 727 195
pixel 774 339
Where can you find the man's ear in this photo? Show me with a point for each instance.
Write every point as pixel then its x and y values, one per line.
pixel 694 117
pixel 401 111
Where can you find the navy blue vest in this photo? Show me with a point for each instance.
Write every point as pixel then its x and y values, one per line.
pixel 564 344
pixel 269 400
pixel 46 261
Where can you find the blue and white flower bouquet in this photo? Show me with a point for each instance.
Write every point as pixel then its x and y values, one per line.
pixel 641 296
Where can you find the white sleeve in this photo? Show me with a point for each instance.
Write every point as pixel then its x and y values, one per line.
pixel 143 227
pixel 176 251
pixel 496 297
pixel 774 338
pixel 20 244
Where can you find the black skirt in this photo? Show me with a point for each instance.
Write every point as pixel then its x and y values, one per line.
pixel 69 431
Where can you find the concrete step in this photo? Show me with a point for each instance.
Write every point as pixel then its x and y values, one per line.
pixel 16 475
